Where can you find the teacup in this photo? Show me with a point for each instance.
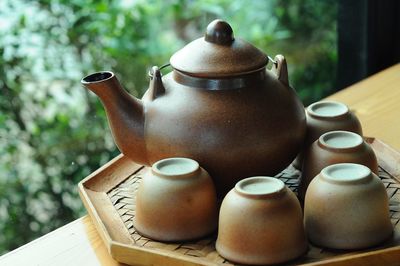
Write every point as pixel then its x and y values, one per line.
pixel 346 207
pixel 335 147
pixel 325 116
pixel 260 222
pixel 176 201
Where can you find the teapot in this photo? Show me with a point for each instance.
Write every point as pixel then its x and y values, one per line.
pixel 219 105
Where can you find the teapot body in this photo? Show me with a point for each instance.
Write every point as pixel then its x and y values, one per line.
pixel 235 128
pixel 219 106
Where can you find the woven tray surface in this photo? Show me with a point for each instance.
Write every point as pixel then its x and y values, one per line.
pixel 123 199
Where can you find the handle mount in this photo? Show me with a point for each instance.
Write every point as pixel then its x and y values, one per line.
pixel 280 68
pixel 156 88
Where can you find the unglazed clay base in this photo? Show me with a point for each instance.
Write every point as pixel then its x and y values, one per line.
pixel 346 172
pixel 175 166
pixel 259 185
pixel 327 109
pixel 341 139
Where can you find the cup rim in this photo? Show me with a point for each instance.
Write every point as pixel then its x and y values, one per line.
pixel 277 187
pixel 192 166
pixel 332 173
pixel 323 140
pixel 311 109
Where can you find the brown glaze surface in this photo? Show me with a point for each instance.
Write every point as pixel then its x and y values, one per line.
pixel 218 54
pixel 321 154
pixel 233 133
pixel 124 113
pixel 176 206
pixel 347 214
pixel 259 227
pixel 243 125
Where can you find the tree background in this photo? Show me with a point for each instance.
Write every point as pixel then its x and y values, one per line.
pixel 53 132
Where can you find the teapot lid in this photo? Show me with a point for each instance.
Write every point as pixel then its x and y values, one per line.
pixel 218 54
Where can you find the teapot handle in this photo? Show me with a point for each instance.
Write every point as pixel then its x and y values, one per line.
pixel 280 68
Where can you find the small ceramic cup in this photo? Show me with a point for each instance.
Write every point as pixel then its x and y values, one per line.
pixel 325 116
pixel 335 147
pixel 176 201
pixel 260 222
pixel 346 207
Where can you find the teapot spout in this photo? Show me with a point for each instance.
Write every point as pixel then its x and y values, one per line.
pixel 125 114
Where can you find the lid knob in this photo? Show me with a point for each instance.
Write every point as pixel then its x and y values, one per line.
pixel 219 32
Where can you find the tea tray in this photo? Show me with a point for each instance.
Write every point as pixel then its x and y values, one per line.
pixel 109 197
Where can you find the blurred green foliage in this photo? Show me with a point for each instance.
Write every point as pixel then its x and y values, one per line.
pixel 53 132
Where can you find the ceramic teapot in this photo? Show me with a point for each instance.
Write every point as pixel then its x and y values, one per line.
pixel 219 105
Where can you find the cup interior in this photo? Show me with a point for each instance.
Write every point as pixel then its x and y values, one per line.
pixel 259 185
pixel 327 109
pixel 346 172
pixel 175 166
pixel 341 139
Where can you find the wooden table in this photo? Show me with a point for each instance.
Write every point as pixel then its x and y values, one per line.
pixel 375 100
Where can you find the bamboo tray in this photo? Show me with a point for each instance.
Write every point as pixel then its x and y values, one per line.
pixel 109 197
